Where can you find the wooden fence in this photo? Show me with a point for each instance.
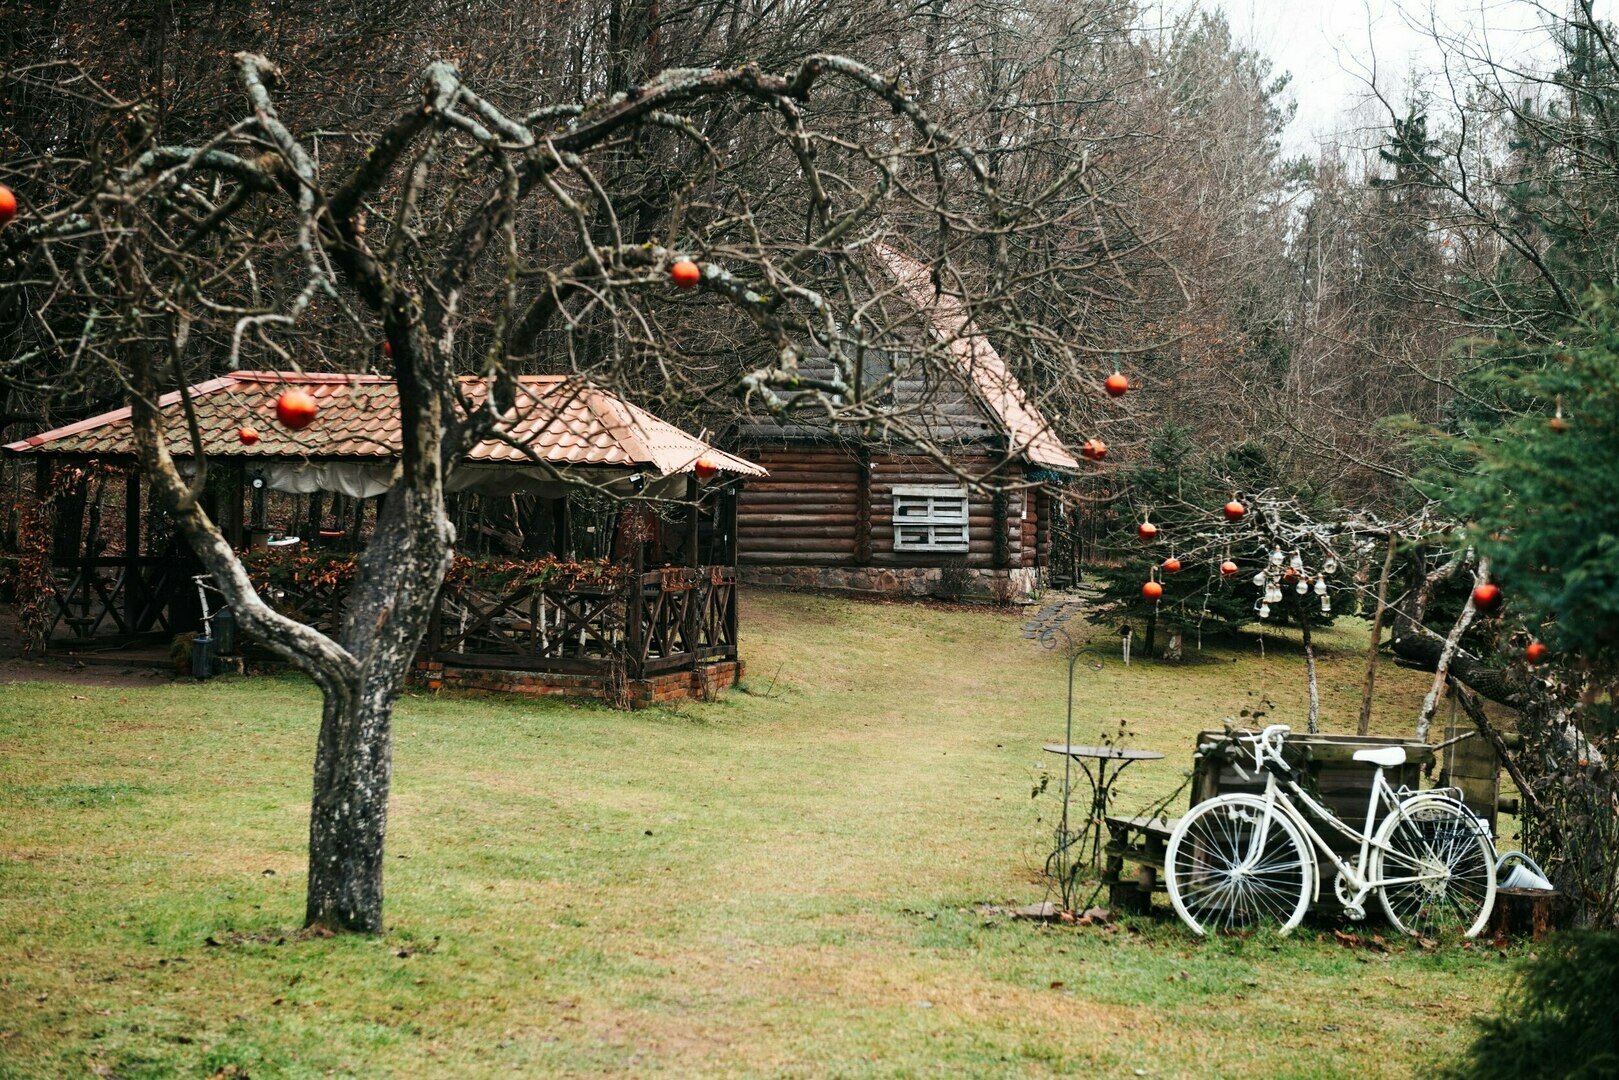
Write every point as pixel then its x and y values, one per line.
pixel 661 621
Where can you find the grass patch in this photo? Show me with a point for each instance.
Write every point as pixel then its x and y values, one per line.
pixel 786 883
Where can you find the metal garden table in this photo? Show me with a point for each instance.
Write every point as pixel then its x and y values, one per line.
pixel 1101 781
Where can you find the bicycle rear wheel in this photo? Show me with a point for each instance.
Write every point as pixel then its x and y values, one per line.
pixel 1228 868
pixel 1444 866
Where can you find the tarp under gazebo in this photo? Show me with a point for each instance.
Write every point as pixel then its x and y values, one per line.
pixel 561 435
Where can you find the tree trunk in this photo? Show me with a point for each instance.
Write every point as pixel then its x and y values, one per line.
pixel 1365 722
pixel 390 608
pixel 1314 719
pixel 348 817
pixel 1152 634
pixel 1447 653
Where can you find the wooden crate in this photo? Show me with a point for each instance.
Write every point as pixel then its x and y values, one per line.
pixel 1327 770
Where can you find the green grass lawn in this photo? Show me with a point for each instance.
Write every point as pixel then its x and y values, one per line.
pixel 782 884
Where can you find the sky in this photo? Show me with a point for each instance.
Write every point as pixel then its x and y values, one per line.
pixel 1333 47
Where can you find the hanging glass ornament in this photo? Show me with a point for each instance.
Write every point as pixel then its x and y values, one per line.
pixel 1296 562
pixel 1264 611
pixel 1321 586
pixel 1273 595
pixel 1330 566
pixel 1276 557
pixel 1326 605
pixel 1302 587
pixel 1259 579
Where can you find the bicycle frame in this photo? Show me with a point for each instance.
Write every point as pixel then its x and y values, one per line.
pixel 1278 800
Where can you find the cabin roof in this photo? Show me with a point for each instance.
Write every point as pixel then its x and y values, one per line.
pixel 559 420
pixel 996 388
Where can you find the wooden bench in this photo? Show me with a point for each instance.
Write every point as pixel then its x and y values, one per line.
pixel 1142 841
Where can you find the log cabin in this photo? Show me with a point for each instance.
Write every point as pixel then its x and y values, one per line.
pixel 970 516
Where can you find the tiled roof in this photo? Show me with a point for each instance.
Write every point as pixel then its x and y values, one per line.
pixel 1026 429
pixel 558 419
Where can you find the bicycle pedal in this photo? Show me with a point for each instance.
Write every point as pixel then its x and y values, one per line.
pixel 1355 912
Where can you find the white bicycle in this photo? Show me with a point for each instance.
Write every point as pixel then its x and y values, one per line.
pixel 1237 860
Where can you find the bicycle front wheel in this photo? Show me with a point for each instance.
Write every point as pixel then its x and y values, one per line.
pixel 1436 869
pixel 1232 864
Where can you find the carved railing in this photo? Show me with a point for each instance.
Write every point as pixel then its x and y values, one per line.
pixel 662 621
pixel 119 597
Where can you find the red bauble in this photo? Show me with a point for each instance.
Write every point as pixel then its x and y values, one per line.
pixel 248 434
pixel 1172 565
pixel 1235 511
pixel 8 204
pixel 1228 568
pixel 705 469
pixel 1487 597
pixel 1536 652
pixel 1152 590
pixel 387 350
pixel 1147 531
pixel 684 273
pixel 1116 385
pixel 1093 450
pixel 296 409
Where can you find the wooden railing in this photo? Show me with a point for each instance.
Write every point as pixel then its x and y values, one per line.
pixel 665 620
pixel 120 598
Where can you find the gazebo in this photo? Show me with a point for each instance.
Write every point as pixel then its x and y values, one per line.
pixel 597 542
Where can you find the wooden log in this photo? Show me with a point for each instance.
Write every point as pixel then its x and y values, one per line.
pixel 784 546
pixel 793 558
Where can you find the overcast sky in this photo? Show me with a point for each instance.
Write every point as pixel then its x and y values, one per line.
pixel 1330 46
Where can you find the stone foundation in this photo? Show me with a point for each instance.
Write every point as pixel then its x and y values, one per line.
pixel 997 586
pixel 706 683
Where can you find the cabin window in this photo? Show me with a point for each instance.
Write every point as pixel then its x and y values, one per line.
pixel 930 519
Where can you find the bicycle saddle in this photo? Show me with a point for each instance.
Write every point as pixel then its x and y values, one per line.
pixel 1384 757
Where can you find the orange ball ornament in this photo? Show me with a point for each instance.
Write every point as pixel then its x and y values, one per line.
pixel 1152 590
pixel 1093 450
pixel 8 204
pixel 248 434
pixel 705 469
pixel 1487 597
pixel 1172 565
pixel 1147 531
pixel 1558 424
pixel 296 409
pixel 1228 568
pixel 1116 385
pixel 685 273
pixel 1537 652
pixel 1235 511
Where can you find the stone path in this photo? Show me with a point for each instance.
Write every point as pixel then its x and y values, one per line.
pixel 1052 616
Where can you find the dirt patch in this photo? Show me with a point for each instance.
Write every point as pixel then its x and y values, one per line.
pixel 105 669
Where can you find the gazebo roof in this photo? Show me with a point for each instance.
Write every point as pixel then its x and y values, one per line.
pixel 561 420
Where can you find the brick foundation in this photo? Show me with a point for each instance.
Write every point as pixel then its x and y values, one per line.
pixel 988 585
pixel 706 683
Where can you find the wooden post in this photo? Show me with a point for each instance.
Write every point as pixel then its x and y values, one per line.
pixel 692 496
pixel 862 509
pixel 238 498
pixel 633 606
pixel 997 514
pixel 134 580
pixel 1365 723
pixel 688 628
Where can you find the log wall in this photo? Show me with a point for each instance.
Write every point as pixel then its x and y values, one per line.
pixel 805 512
pixel 834 506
